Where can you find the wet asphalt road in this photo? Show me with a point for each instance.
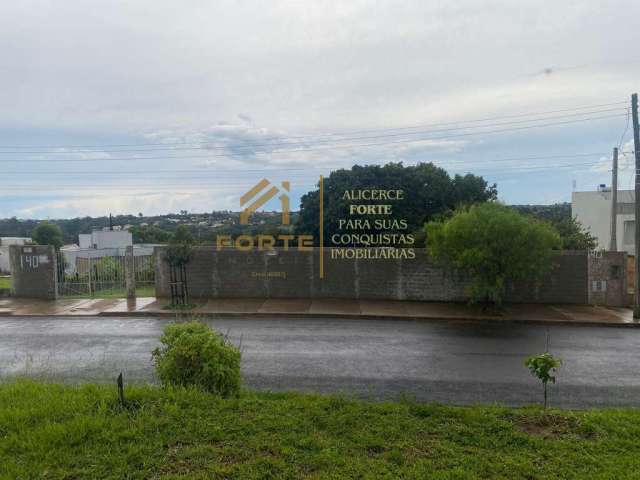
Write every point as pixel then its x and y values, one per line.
pixel 447 362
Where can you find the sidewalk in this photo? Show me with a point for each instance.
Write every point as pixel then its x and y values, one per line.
pixel 318 308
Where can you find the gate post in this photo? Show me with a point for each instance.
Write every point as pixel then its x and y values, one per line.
pixel 34 271
pixel 130 272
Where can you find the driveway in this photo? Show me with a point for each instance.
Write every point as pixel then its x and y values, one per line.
pixel 451 362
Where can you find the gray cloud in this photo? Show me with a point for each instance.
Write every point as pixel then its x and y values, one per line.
pixel 170 72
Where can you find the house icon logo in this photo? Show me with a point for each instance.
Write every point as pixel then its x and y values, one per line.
pixel 264 198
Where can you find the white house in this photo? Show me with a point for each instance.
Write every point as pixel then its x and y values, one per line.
pixel 99 239
pixel 98 244
pixel 593 211
pixel 5 265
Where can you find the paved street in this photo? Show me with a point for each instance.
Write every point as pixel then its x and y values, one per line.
pixel 432 361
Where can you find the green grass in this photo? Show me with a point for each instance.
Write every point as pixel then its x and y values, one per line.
pixel 56 431
pixel 5 282
pixel 146 291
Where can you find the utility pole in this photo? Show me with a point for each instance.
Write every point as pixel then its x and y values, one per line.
pixel 613 246
pixel 636 149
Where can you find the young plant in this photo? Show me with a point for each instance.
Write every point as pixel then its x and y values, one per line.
pixel 544 367
pixel 192 353
pixel 177 255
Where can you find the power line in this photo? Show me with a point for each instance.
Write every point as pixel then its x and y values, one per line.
pixel 343 138
pixel 625 129
pixel 218 171
pixel 285 151
pixel 347 132
pixel 174 184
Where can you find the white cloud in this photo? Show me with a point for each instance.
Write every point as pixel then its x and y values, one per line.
pixel 225 74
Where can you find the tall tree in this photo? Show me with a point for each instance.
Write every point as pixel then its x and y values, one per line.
pixel 573 234
pixel 48 234
pixel 428 190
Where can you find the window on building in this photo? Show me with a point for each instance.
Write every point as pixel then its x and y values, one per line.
pixel 598 285
pixel 629 232
pixel 614 272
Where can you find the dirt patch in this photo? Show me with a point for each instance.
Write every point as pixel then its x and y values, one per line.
pixel 550 426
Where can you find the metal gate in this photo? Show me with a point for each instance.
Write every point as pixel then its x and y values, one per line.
pixel 100 273
pixel 145 275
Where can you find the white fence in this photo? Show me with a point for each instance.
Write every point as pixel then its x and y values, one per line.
pixel 102 272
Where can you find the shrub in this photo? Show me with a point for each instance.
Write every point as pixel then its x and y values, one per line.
pixel 496 246
pixel 108 268
pixel 192 353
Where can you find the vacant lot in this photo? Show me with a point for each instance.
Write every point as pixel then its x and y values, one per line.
pixel 55 431
pixel 5 282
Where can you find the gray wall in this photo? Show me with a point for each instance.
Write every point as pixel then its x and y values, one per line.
pixel 608 279
pixel 33 271
pixel 234 274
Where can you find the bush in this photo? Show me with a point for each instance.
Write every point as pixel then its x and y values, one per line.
pixel 495 246
pixel 192 353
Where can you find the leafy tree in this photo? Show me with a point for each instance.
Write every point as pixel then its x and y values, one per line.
pixel 182 235
pixel 428 191
pixel 149 234
pixel 543 367
pixel 495 246
pixel 553 213
pixel 574 236
pixel 48 234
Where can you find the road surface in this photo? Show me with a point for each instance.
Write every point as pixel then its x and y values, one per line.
pixel 451 362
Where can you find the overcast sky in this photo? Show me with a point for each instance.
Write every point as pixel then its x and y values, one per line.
pixel 158 106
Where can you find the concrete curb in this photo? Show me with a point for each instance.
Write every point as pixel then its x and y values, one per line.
pixel 347 316
pixel 351 316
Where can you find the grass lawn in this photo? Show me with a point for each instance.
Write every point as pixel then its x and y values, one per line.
pixel 146 291
pixel 5 282
pixel 55 431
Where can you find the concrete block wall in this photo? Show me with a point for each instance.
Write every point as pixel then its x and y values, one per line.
pixel 567 283
pixel 33 270
pixel 608 279
pixel 230 273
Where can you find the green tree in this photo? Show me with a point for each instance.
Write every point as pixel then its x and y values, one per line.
pixel 48 234
pixel 182 235
pixel 543 367
pixel 573 235
pixel 149 234
pixel 428 191
pixel 495 246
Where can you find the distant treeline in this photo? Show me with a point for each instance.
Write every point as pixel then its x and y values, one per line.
pixel 151 229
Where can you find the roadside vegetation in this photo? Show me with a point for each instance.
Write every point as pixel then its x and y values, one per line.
pixel 193 354
pixel 61 431
pixel 495 246
pixel 5 282
pixel 200 424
